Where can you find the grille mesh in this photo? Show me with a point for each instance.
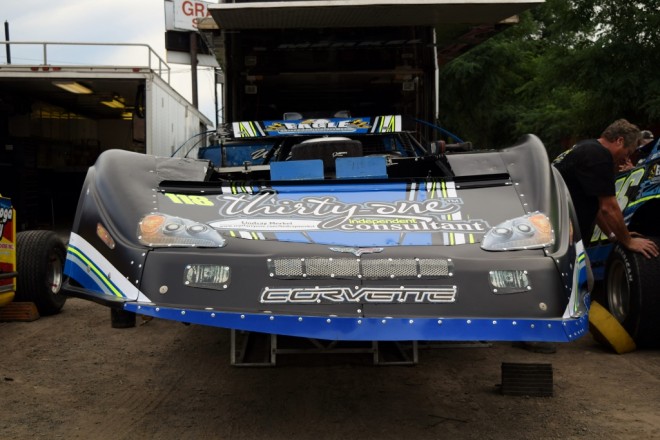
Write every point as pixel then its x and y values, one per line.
pixel 395 268
pixel 322 267
pixel 433 267
pixel 375 269
pixel 288 267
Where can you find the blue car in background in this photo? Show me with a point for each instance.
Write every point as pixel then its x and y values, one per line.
pixel 630 281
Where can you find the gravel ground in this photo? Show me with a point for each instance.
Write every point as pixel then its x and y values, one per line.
pixel 72 376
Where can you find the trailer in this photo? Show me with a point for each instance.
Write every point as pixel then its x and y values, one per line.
pixel 363 57
pixel 63 104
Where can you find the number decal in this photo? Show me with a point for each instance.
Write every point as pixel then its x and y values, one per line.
pixel 623 188
pixel 628 182
pixel 189 200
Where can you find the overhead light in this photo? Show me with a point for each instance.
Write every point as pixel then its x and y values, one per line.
pixel 73 87
pixel 114 103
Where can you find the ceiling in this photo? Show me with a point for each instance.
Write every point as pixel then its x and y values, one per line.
pixel 19 96
pixel 459 24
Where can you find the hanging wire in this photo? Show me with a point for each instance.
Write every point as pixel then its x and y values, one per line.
pixel 189 139
pixel 440 129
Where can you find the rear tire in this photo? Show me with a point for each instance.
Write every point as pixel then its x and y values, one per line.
pixel 632 296
pixel 40 265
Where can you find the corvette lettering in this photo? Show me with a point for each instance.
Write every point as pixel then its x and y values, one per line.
pixel 313 295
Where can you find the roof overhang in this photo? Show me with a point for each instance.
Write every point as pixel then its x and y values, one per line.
pixel 363 13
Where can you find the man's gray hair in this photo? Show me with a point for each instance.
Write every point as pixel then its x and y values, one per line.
pixel 622 128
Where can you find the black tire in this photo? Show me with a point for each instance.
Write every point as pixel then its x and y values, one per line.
pixel 40 259
pixel 632 296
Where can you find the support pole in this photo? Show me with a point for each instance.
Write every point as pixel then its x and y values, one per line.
pixel 7 40
pixel 215 91
pixel 193 67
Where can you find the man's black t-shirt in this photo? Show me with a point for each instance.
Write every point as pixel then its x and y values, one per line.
pixel 588 170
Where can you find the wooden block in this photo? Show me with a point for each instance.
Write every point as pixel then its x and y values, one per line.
pixel 19 311
pixel 527 379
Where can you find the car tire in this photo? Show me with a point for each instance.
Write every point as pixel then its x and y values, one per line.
pixel 40 265
pixel 631 292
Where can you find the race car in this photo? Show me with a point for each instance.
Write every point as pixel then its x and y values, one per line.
pixel 340 228
pixel 629 280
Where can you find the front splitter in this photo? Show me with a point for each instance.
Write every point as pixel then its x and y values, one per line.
pixel 343 328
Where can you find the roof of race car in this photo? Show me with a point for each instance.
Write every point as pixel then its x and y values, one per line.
pixel 318 126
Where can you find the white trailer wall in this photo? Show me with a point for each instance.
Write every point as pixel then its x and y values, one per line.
pixel 171 121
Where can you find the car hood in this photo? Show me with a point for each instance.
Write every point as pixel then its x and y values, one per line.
pixel 352 214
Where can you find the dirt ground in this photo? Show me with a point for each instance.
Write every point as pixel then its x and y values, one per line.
pixel 72 376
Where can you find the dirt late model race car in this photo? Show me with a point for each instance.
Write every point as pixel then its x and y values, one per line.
pixel 336 229
pixel 630 281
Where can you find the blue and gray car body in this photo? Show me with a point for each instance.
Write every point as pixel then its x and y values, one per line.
pixel 338 229
pixel 629 280
pixel 638 194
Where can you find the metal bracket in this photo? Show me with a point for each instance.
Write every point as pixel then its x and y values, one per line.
pixel 251 349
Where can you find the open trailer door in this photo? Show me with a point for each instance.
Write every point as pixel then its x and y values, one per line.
pixel 365 56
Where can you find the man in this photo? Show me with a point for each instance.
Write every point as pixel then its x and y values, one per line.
pixel 638 156
pixel 589 170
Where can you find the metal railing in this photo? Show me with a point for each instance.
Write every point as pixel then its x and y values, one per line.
pixel 34 53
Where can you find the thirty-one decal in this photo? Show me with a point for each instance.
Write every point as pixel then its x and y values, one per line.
pixel 268 212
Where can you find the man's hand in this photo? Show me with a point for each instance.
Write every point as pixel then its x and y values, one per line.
pixel 625 165
pixel 610 219
pixel 642 245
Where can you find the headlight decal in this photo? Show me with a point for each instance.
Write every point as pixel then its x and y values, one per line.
pixel 531 231
pixel 207 276
pixel 163 230
pixel 509 281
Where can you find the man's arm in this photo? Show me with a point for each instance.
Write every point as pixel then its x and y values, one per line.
pixel 610 221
